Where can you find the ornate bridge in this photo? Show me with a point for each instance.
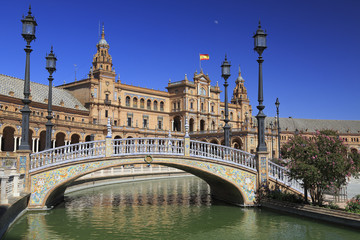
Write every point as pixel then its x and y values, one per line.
pixel 231 173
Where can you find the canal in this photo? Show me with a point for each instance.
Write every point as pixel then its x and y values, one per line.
pixel 174 208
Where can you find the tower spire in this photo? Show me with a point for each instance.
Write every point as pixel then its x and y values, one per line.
pixel 103 32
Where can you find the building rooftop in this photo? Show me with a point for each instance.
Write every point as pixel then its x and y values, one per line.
pixel 313 125
pixel 14 87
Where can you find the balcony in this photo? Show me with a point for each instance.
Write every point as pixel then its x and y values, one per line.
pixel 107 102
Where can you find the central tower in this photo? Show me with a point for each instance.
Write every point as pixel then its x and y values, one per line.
pixel 102 59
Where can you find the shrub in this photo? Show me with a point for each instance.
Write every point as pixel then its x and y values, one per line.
pixel 353 205
pixel 284 196
pixel 332 205
pixel 321 163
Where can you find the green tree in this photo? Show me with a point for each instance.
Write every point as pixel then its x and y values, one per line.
pixel 321 163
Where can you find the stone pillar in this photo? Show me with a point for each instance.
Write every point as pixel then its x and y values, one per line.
pixel 108 141
pixel 15 181
pixel 187 139
pixel 262 167
pixel 108 147
pixel 54 143
pixel 3 180
pixel 23 166
pixel 0 141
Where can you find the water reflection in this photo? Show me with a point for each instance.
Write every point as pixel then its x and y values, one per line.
pixel 178 208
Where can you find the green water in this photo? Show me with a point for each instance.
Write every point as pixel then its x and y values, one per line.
pixel 177 208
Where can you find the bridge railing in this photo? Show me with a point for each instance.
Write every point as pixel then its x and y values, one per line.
pixel 223 153
pixel 279 174
pixel 134 146
pixel 67 153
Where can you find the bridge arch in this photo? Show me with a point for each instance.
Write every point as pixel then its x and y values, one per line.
pixel 229 183
pixel 232 174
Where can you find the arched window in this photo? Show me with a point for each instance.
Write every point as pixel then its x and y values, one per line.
pixel 134 102
pixel 155 105
pixel 231 116
pixel 174 105
pixel 192 122
pixel 161 106
pixel 202 107
pixel 179 105
pixel 177 124
pixel 8 143
pixel 127 101
pixel 148 104
pixel 202 125
pixel 142 103
pixel 222 114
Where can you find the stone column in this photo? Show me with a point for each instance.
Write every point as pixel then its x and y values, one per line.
pixel 0 141
pixel 3 180
pixel 37 144
pixel 33 145
pixel 54 143
pixel 15 143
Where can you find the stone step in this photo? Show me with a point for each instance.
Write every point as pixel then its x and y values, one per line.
pixel 318 210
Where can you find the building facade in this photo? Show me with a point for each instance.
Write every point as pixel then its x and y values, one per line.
pixel 82 108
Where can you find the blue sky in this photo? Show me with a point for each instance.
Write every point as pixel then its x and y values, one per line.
pixel 311 63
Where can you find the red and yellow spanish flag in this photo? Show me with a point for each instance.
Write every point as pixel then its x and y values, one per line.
pixel 204 57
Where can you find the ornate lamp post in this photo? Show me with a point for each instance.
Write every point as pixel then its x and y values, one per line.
pixel 259 47
pixel 51 67
pixel 277 104
pixel 28 32
pixel 225 73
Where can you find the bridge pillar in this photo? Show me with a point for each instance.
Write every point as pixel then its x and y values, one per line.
pixel 23 166
pixel 187 139
pixel 262 167
pixel 187 146
pixel 108 147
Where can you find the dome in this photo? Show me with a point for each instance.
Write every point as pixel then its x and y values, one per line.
pixel 103 42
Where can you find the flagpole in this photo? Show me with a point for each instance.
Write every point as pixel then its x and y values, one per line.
pixel 200 62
